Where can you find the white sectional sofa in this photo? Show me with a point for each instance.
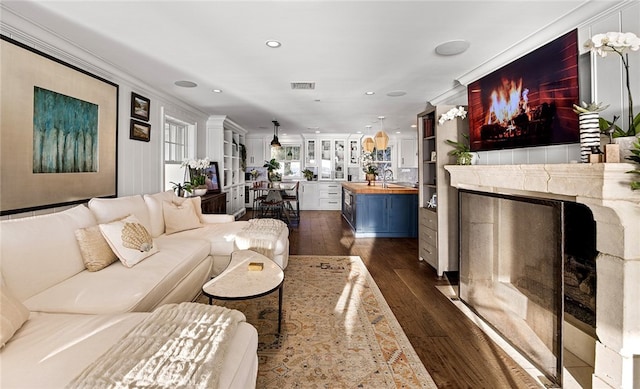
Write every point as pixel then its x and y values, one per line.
pixel 76 314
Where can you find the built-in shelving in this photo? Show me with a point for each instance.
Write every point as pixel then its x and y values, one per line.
pixel 223 139
pixel 438 225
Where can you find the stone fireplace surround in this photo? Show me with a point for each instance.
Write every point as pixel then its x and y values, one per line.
pixel 604 188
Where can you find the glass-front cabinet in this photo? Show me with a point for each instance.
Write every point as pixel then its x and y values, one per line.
pixel 310 153
pixel 338 159
pixel 354 152
pixel 325 160
pixel 332 159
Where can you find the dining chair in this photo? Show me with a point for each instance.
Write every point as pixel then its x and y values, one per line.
pixel 290 196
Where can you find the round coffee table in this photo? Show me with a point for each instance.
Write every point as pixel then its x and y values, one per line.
pixel 237 282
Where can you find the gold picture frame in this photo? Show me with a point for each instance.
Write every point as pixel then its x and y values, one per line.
pixel 45 160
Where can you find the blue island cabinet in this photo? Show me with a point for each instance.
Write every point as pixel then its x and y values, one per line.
pixel 385 215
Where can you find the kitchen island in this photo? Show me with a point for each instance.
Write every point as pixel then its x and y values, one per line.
pixel 374 211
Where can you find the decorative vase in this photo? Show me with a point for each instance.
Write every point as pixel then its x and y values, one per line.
pixel 589 133
pixel 464 159
pixel 199 191
pixel 370 177
pixel 626 145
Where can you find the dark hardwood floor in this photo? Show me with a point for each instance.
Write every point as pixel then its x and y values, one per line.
pixel 455 351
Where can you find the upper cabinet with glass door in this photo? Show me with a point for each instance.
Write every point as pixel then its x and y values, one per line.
pixel 332 159
pixel 310 158
pixel 339 162
pixel 354 152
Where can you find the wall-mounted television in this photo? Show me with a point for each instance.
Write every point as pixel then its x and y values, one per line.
pixel 528 102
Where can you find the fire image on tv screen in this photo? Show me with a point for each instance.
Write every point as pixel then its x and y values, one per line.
pixel 528 102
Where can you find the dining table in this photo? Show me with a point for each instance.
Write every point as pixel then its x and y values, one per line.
pixel 274 192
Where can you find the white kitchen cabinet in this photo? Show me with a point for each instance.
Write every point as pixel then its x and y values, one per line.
pixel 408 157
pixel 256 152
pixel 332 159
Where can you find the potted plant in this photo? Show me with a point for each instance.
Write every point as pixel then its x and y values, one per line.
pixel 619 43
pixel 635 151
pixel 308 174
pixel 461 150
pixel 589 125
pixel 243 156
pixel 180 189
pixel 272 166
pixel 369 167
pixel 197 183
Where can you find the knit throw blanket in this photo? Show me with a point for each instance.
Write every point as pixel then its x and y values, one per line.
pixel 261 236
pixel 177 346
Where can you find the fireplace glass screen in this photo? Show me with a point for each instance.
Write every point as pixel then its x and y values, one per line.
pixel 511 259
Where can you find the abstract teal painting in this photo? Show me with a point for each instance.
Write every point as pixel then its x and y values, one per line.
pixel 65 133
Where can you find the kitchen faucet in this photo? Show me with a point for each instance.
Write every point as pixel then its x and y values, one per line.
pixel 384 177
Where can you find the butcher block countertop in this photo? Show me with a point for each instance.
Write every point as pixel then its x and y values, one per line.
pixel 363 188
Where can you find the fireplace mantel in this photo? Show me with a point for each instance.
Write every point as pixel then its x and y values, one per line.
pixel 597 181
pixel 605 189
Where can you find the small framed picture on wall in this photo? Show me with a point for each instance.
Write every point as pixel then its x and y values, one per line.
pixel 140 107
pixel 140 131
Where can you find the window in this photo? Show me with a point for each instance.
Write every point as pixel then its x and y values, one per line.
pixel 289 158
pixel 176 141
pixel 179 144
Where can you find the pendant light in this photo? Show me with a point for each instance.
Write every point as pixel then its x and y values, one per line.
pixel 367 141
pixel 381 138
pixel 275 142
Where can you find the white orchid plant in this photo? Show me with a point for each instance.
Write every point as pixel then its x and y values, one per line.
pixel 620 43
pixel 368 165
pixel 196 170
pixel 456 112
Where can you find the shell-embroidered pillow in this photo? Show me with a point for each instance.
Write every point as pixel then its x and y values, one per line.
pixel 129 240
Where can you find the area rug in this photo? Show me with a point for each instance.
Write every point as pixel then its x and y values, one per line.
pixel 337 330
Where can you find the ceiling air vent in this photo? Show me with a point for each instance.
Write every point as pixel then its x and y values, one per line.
pixel 303 85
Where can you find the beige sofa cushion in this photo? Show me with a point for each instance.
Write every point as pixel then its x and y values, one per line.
pixel 41 251
pixel 95 250
pixel 129 240
pixel 156 213
pixel 108 210
pixel 117 288
pixel 179 216
pixel 13 314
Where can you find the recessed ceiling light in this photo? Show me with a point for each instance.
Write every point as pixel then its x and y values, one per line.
pixel 453 47
pixel 317 132
pixel 358 132
pixel 413 126
pixel 396 93
pixel 273 44
pixel 398 132
pixel 369 93
pixel 217 90
pixel 186 84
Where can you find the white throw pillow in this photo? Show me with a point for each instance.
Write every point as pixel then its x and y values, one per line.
pixel 180 216
pixel 129 240
pixel 12 315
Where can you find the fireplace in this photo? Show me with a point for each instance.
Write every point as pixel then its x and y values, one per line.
pixel 604 189
pixel 523 263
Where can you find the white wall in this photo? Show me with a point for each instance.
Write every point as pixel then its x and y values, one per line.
pixel 140 167
pixel 608 85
